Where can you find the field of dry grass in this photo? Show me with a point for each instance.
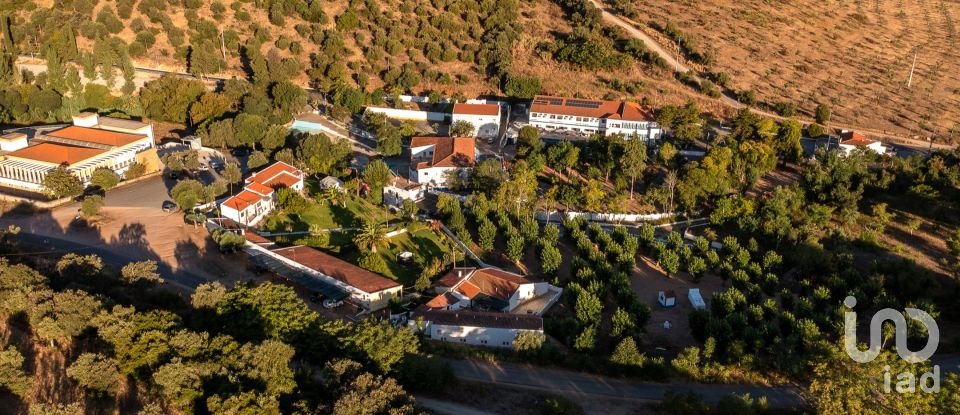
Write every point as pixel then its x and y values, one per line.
pixel 854 55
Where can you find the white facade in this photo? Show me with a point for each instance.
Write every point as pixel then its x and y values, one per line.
pixel 437 176
pixel 400 189
pixel 474 336
pixel 258 208
pixel 485 118
pixel 644 130
pixel 589 117
pixel 258 197
pixel 82 148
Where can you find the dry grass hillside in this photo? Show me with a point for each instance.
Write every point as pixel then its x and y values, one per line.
pixel 455 26
pixel 854 55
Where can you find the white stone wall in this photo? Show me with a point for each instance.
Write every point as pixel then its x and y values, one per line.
pixel 476 336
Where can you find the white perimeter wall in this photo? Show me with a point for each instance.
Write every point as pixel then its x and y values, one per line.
pixel 409 114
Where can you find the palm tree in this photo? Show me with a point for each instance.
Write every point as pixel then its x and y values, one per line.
pixel 370 235
pixel 333 196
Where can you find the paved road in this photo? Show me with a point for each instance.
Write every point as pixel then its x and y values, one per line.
pixel 449 408
pixel 571 384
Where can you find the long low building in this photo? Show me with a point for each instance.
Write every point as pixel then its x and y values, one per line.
pixel 92 142
pixel 367 289
pixel 474 327
pixel 588 116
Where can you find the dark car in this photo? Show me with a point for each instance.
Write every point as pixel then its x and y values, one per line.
pixel 240 152
pixel 168 206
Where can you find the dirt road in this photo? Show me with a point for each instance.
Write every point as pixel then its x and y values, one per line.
pixel 631 28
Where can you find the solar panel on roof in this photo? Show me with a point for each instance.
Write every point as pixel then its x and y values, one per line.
pixel 579 103
pixel 548 101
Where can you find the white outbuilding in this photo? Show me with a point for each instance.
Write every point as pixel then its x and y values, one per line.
pixel 696 300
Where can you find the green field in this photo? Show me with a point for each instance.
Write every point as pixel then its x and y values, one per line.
pixel 424 242
pixel 328 216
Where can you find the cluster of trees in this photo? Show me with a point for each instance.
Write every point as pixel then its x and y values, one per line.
pixel 227 351
pixel 767 320
pixel 599 293
pixel 592 46
pixel 688 45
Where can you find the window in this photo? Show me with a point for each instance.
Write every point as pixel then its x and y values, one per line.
pixel 483 342
pixel 506 343
pixel 463 340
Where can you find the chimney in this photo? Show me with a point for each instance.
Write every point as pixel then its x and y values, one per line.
pixel 459 274
pixel 86 119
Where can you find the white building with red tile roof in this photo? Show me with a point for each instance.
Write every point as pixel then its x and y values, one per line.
pixel 258 197
pixel 485 118
pixel 852 140
pixel 484 307
pixel 433 159
pixel 368 290
pixel 91 143
pixel 589 116
pixel 491 289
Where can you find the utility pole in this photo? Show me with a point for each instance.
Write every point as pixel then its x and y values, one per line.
pixel 678 53
pixel 223 48
pixel 914 66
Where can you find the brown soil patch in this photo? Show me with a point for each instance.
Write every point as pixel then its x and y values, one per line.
pixel 647 281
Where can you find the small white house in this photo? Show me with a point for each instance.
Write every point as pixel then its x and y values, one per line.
pixel 331 182
pixel 852 140
pixel 433 159
pixel 258 197
pixel 475 328
pixel 485 118
pixel 667 299
pixel 695 299
pixel 400 189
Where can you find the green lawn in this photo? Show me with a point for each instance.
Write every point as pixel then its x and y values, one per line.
pixel 329 216
pixel 424 242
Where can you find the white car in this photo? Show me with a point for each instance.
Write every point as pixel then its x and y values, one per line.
pixel 332 303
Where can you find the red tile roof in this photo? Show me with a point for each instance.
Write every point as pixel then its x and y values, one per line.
pixel 495 283
pixel 451 278
pixel 242 200
pixel 482 319
pixel 448 151
pixel 469 290
pixel 625 110
pixel 284 179
pixel 338 269
pixel 272 171
pixel 96 135
pixel 57 153
pixel 442 301
pixel 854 138
pixel 476 109
pixel 259 188
pixel 256 238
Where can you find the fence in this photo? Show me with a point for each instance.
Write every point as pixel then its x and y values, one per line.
pixel 603 217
